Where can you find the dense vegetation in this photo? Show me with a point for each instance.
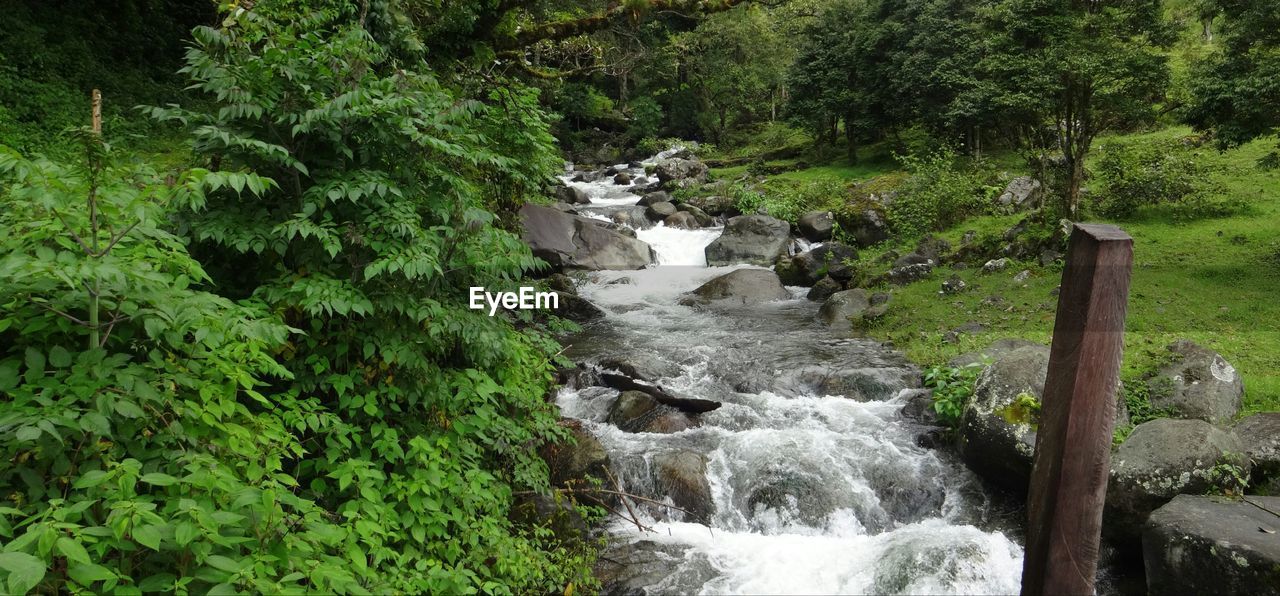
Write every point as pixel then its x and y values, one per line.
pixel 236 354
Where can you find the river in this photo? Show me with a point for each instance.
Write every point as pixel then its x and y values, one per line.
pixel 811 493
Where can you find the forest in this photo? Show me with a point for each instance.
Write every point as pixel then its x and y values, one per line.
pixel 238 241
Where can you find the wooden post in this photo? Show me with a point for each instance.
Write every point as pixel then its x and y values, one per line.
pixel 1073 443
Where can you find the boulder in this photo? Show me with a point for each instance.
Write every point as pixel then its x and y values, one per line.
pixel 682 475
pixel 995 265
pixel 868 227
pixel 954 285
pixel 622 179
pixel 660 211
pixel 933 248
pixel 905 274
pixel 1022 194
pixel 816 226
pixel 919 408
pixel 702 217
pixel 661 196
pixel 831 259
pixel 714 204
pixel 879 383
pixel 1213 545
pixel 572 241
pixel 633 217
pixel 738 288
pixel 1260 434
pixel 1161 459
pixel 639 412
pixel 683 220
pixel 572 195
pixel 566 523
pixel 994 351
pixel 754 239
pixel 571 462
pixel 997 433
pixel 840 307
pixel 1197 383
pixel 641 365
pixel 681 173
pixel 641 568
pixel 576 308
pixel 823 289
pixel 691 405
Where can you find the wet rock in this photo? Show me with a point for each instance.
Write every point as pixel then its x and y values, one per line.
pixel 563 206
pixel 633 217
pixel 823 289
pixel 622 179
pixel 997 435
pixel 859 384
pixel 1198 383
pixel 683 220
pixel 1213 545
pixel 816 226
pixel 954 285
pixel 919 408
pixel 995 265
pixel 1023 193
pixel 661 196
pixel 738 288
pixel 641 366
pixel 572 195
pixel 831 259
pixel 840 307
pixel 754 239
pixel 799 494
pixel 1260 434
pixel 639 412
pixel 690 405
pixel 574 461
pixel 571 241
pixel 1161 459
pixel 556 514
pixel 660 211
pixel 577 309
pixel 699 215
pixel 641 568
pixel 682 475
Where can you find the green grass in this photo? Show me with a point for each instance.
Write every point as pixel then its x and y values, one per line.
pixel 1214 281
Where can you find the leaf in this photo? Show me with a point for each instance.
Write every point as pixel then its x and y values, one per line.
pixel 91 478
pixel 158 479
pixel 59 357
pixel 128 409
pixel 148 536
pixel 25 571
pixel 185 533
pixel 72 550
pixel 223 563
pixel 27 433
pixel 160 582
pixel 87 573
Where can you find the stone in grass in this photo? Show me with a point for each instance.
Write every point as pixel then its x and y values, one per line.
pixel 1197 383
pixel 954 285
pixel 995 265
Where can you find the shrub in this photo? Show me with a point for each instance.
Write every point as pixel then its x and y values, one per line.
pixel 952 389
pixel 936 194
pixel 646 119
pixel 1135 175
pixel 789 202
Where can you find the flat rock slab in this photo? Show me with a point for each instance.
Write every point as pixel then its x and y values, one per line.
pixel 1214 545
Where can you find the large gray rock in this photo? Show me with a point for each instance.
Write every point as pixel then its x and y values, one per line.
pixel 880 383
pixel 683 220
pixel 570 241
pixel 702 217
pixel 641 365
pixel 754 239
pixel 681 173
pixel 682 475
pixel 738 288
pixel 1213 545
pixel 660 211
pixel 995 350
pixel 1161 459
pixel 714 204
pixel 840 307
pixel 823 289
pixel 572 195
pixel 1198 383
pixel 661 196
pixel 1022 194
pixel 1260 434
pixel 868 227
pixel 831 259
pixel 816 226
pixel 572 462
pixel 647 568
pixel 997 435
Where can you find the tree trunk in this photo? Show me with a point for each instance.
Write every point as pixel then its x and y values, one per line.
pixel 851 141
pixel 1075 179
pixel 1206 28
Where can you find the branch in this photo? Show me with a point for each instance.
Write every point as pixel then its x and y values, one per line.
pixel 566 29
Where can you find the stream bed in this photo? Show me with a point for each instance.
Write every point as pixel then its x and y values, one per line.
pixel 798 491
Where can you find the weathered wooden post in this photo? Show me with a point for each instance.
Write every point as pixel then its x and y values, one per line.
pixel 1073 443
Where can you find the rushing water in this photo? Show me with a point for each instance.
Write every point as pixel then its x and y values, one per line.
pixel 812 494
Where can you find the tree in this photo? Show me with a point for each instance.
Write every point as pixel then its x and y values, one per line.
pixel 1236 91
pixel 1075 68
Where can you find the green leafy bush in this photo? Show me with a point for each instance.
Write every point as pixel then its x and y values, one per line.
pixel 952 389
pixel 646 119
pixel 1136 175
pixel 789 202
pixel 937 194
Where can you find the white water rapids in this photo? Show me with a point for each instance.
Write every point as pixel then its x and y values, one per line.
pixel 812 494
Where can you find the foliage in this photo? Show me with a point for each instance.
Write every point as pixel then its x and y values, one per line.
pixel 350 192
pixel 937 194
pixel 1227 477
pixel 583 103
pixel 952 389
pixel 789 202
pixel 1236 90
pixel 1139 175
pixel 145 453
pixel 1024 409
